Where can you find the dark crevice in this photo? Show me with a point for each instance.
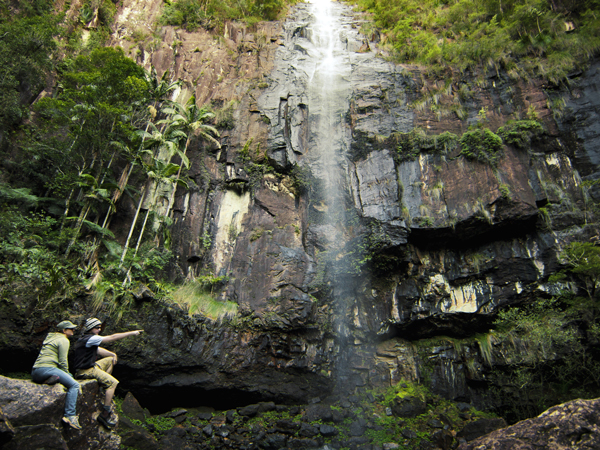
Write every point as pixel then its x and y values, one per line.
pixel 159 400
pixel 470 234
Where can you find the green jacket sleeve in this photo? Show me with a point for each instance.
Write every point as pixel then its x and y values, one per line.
pixel 63 353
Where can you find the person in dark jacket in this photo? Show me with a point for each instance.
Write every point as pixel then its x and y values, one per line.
pixel 88 366
pixel 52 366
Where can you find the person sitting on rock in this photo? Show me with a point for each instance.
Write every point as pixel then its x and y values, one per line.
pixel 88 366
pixel 52 366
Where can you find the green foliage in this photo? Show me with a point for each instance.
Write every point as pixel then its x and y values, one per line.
pixel 28 253
pixel 301 179
pixel 197 296
pixel 537 332
pixel 256 233
pixel 520 133
pixel 27 51
pixel 529 38
pixel 224 116
pixel 482 145
pixel 504 190
pixel 404 389
pixel 193 14
pixel 583 262
pixel 478 143
pixel 161 424
pixel 410 145
pixel 546 354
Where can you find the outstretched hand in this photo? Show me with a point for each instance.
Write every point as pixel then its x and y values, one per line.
pixel 137 332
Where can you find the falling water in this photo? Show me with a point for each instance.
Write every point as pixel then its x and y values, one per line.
pixel 328 106
pixel 308 104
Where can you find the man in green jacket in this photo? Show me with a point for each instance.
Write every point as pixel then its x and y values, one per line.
pixel 52 366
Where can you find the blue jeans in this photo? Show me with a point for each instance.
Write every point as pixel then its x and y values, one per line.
pixel 40 374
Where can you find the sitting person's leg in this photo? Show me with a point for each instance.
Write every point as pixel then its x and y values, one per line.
pixel 42 374
pixel 107 381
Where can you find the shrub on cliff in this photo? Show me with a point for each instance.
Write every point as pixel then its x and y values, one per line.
pixel 481 144
pixel 532 37
pixel 194 14
pixel 520 133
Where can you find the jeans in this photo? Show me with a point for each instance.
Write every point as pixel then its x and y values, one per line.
pixel 40 374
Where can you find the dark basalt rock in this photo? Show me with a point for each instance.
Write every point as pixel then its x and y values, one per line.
pixel 477 428
pixel 131 408
pixel 328 430
pixel 574 425
pixel 408 406
pixel 35 412
pixel 7 431
pixel 318 412
pixel 135 436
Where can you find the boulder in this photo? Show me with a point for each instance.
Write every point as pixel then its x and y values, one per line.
pixel 35 412
pixel 574 425
pixel 408 406
pixel 7 431
pixel 35 437
pixel 135 437
pixel 132 409
pixel 318 412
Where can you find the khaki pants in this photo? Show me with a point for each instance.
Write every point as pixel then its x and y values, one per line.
pixel 98 372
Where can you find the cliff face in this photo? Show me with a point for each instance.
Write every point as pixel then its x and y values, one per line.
pixel 334 276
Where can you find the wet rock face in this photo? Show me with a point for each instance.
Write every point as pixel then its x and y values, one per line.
pixel 572 425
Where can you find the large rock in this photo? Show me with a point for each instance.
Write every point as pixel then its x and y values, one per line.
pixel 574 425
pixel 35 411
pixel 7 431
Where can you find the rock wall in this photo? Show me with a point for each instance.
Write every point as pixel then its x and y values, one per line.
pixel 433 246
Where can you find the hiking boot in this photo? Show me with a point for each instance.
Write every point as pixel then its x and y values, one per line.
pixel 73 421
pixel 104 419
pixel 51 380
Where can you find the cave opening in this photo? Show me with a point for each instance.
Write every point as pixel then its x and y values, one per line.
pixel 159 400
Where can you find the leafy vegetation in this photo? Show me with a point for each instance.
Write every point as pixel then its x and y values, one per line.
pixel 194 14
pixel 27 54
pixel 477 143
pixel 411 144
pixel 106 132
pixel 481 144
pixel 525 38
pixel 550 346
pixel 520 133
pixel 198 297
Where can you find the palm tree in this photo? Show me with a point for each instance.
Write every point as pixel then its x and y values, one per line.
pixel 192 121
pixel 158 91
pixel 96 192
pixel 160 172
pixel 165 146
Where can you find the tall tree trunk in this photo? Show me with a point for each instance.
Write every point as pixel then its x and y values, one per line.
pixel 82 216
pixel 133 222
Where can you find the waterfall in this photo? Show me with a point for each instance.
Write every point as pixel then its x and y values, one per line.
pixel 308 104
pixel 329 92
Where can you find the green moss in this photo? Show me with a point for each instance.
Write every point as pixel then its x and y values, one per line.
pixel 161 424
pixel 520 133
pixel 481 144
pixel 410 145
